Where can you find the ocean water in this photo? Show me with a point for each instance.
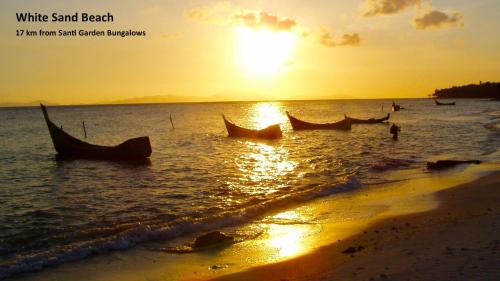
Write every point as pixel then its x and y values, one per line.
pixel 53 211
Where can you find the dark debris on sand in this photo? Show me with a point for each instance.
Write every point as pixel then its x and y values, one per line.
pixel 352 250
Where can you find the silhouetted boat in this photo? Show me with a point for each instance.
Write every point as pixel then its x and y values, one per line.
pixel 271 132
pixel 303 125
pixel 443 103
pixel 67 145
pixel 368 121
pixel 395 107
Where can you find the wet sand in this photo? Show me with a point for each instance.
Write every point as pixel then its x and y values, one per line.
pixel 374 223
pixel 459 240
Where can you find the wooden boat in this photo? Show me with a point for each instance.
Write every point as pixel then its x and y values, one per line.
pixel 67 145
pixel 368 121
pixel 271 132
pixel 303 125
pixel 443 103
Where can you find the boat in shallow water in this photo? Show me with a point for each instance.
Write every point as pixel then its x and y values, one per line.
pixel 271 132
pixel 67 145
pixel 368 121
pixel 298 124
pixel 444 103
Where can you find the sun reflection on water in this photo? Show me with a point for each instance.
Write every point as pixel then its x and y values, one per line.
pixel 288 215
pixel 266 114
pixel 263 169
pixel 286 237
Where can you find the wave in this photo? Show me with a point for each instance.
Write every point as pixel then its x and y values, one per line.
pixel 494 114
pixel 183 226
pixel 493 126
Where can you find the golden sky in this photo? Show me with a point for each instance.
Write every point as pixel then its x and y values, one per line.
pixel 251 50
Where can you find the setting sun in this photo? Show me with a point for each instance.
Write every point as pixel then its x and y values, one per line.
pixel 263 52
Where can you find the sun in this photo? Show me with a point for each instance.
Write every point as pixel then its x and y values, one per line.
pixel 263 52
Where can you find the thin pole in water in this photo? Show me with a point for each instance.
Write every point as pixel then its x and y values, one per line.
pixel 171 122
pixel 84 130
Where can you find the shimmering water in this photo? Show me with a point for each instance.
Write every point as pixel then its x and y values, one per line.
pixel 198 179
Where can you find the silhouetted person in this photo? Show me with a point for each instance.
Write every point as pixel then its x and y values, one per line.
pixel 394 131
pixel 395 107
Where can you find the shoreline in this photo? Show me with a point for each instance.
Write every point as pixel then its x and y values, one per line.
pixel 307 226
pixel 458 240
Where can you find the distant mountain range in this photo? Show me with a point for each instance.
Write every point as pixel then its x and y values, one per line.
pixel 24 104
pixel 148 99
pixel 152 99
pixel 487 90
pixel 184 99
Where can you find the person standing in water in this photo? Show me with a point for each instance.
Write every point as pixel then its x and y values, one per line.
pixel 394 131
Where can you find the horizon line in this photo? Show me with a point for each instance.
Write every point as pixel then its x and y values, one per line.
pixel 37 103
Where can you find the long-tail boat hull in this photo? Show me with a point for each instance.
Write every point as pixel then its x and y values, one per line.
pixel 444 103
pixel 298 125
pixel 271 132
pixel 368 121
pixel 67 145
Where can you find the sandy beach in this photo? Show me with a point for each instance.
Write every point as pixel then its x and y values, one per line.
pixel 442 226
pixel 459 240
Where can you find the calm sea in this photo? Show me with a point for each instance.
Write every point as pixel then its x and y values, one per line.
pixel 198 180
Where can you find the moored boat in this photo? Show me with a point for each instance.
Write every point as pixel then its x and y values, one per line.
pixel 67 145
pixel 444 103
pixel 368 121
pixel 298 124
pixel 271 132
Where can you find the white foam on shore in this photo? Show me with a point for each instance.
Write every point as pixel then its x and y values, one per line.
pixel 327 220
pixel 145 233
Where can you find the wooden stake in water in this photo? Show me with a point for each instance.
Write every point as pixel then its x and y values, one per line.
pixel 84 130
pixel 171 122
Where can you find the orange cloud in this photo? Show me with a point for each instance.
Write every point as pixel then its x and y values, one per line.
pixel 218 13
pixel 226 13
pixel 326 39
pixel 438 19
pixel 387 7
pixel 430 19
pixel 264 20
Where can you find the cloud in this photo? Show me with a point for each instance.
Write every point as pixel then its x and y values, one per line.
pixel 260 20
pixel 226 13
pixel 326 39
pixel 438 19
pixel 430 19
pixel 350 40
pixel 387 7
pixel 218 13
